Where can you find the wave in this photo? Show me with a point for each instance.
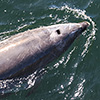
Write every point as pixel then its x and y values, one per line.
pixel 14 85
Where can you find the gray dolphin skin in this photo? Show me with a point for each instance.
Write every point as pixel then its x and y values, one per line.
pixel 31 50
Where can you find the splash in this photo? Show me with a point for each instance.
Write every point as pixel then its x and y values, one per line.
pixel 77 13
pixel 78 93
pixel 17 84
pixel 21 28
pixel 14 85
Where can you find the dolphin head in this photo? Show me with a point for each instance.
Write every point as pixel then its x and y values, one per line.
pixel 63 35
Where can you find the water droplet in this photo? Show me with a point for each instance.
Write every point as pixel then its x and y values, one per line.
pixel 5 10
pixel 62 86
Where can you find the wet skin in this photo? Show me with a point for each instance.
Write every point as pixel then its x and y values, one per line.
pixel 31 50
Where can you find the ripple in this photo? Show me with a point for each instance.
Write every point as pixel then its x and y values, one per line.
pixel 17 84
pixel 14 85
pixel 77 13
pixel 78 91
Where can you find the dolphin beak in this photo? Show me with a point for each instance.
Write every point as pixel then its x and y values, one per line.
pixel 80 28
pixel 84 25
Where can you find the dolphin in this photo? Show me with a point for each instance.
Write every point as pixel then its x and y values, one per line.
pixel 26 52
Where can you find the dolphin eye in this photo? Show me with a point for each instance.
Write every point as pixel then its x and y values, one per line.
pixel 58 31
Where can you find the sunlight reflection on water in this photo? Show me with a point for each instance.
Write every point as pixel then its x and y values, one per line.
pixel 26 83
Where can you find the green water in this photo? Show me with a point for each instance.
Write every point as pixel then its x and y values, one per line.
pixel 75 74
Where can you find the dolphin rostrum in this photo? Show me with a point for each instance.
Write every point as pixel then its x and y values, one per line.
pixel 27 51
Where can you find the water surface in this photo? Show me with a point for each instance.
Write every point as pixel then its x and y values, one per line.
pixel 75 74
